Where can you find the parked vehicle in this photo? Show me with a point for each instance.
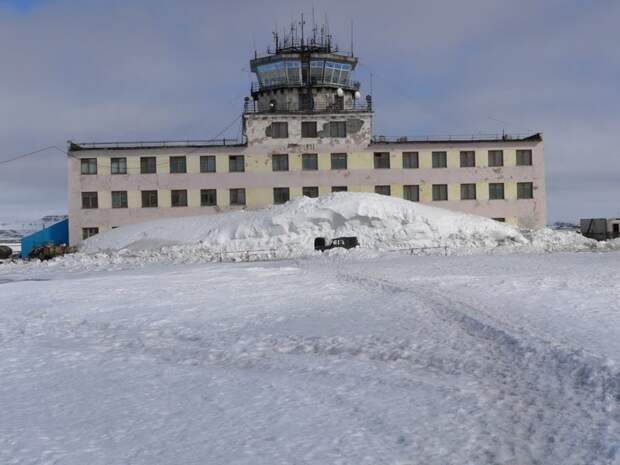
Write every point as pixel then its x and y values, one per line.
pixel 320 243
pixel 600 229
pixel 5 252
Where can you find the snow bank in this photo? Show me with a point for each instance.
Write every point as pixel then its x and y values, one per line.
pixel 380 223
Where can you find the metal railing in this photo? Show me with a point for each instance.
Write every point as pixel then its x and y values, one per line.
pixel 256 86
pixel 454 137
pixel 256 107
pixel 151 144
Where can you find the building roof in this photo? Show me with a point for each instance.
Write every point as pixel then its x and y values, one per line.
pixel 77 146
pixel 458 139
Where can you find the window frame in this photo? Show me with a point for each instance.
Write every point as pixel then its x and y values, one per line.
pixel 439 159
pixel 87 198
pixel 181 194
pixel 411 188
pixel 465 194
pixel 89 163
pixel 386 188
pixel 465 160
pixel 379 160
pixel 313 132
pixel 520 153
pixel 315 189
pixel 520 185
pixel 205 193
pixel 339 156
pixel 233 161
pixel 205 161
pixel 279 162
pixel 150 197
pixel 281 190
pixel 492 154
pixel 121 165
pixel 493 192
pixel 145 165
pixel 281 132
pixel 89 232
pixel 179 162
pixel 340 189
pixel 439 188
pixel 338 129
pixel 410 156
pixel 309 156
pixel 123 199
pixel 237 190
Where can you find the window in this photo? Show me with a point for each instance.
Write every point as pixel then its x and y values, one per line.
pixel 208 197
pixel 90 200
pixel 237 196
pixel 89 232
pixel 279 130
pixel 118 165
pixel 411 193
pixel 236 163
pixel 88 165
pixel 440 192
pixel 383 190
pixel 501 220
pixel 281 195
pixel 411 160
pixel 468 159
pixel 149 199
pixel 308 129
pixel 178 198
pixel 312 191
pixel 440 160
pixel 338 129
pixel 207 164
pixel 309 162
pixel 468 192
pixel 496 190
pixel 339 188
pixel 382 160
pixel 524 157
pixel 148 165
pixel 119 199
pixel 525 190
pixel 496 158
pixel 178 165
pixel 279 162
pixel 339 161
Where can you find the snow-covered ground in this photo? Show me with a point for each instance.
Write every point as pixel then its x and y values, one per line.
pixel 342 358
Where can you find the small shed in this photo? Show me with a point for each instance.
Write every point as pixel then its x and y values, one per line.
pixel 600 229
pixel 56 234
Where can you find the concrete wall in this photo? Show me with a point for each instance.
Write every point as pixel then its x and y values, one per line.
pixel 259 179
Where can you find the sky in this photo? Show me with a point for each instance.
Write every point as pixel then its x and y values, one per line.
pixel 89 70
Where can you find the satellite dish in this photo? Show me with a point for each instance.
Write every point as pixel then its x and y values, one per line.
pixel 357 94
pixel 340 92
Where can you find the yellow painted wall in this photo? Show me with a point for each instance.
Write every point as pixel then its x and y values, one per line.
pixel 258 163
pixel 258 196
pixel 134 199
pixel 163 198
pixel 296 192
pixel 426 193
pixel 360 161
pixel 163 164
pixel 104 199
pixel 454 159
pixel 221 166
pixel 510 190
pixel 425 159
pixel 324 190
pixel 193 198
pixel 223 196
pixel 454 192
pixel 396 160
pixel 482 191
pixel 193 165
pixel 482 159
pixel 133 167
pixel 510 158
pixel 325 161
pixel 396 190
pixel 294 162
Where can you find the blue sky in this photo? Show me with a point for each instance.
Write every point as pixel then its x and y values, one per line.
pixel 154 69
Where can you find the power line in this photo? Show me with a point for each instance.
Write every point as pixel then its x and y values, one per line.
pixel 24 155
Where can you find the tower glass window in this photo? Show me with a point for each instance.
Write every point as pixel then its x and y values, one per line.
pixel 440 192
pixel 339 161
pixel 468 159
pixel 149 199
pixel 468 191
pixel 308 129
pixel 119 199
pixel 309 162
pixel 411 192
pixel 338 129
pixel 148 165
pixel 178 198
pixel 496 190
pixel 524 157
pixel 178 164
pixel 525 190
pixel 440 160
pixel 207 164
pixel 237 196
pixel 281 195
pixel 411 160
pixel 279 129
pixel 118 165
pixel 279 162
pixel 236 163
pixel 208 197
pixel 496 158
pixel 88 166
pixel 382 160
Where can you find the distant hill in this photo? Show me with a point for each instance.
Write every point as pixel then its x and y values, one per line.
pixel 14 230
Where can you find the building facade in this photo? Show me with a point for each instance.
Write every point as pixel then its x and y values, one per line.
pixel 307 131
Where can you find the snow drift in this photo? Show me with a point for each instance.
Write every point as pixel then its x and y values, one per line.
pixel 380 223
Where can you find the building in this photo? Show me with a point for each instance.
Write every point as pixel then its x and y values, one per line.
pixel 306 131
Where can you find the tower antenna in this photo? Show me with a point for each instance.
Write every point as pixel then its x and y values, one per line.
pixel 302 29
pixel 351 37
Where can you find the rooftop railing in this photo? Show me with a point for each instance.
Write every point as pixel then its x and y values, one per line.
pixel 455 137
pixel 150 144
pixel 256 107
pixel 258 87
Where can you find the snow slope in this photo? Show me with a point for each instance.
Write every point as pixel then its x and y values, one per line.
pixel 501 359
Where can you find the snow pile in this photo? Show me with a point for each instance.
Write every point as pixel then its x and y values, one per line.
pixel 380 223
